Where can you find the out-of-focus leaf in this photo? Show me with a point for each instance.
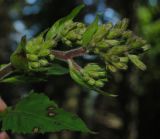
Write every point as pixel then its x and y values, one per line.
pixel 135 60
pixel 58 26
pixel 88 34
pixel 57 69
pixel 54 69
pixel 22 79
pixel 37 114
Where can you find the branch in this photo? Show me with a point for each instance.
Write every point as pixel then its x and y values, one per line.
pixel 6 70
pixel 62 55
pixel 65 55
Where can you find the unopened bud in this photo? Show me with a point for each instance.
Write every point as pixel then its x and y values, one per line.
pixel 99 83
pixel 124 59
pixel 112 68
pixel 43 62
pixel 44 52
pixel 91 82
pixel 34 65
pixel 120 65
pixel 127 34
pixel 114 33
pixel 32 57
pixel 51 57
pixel 113 42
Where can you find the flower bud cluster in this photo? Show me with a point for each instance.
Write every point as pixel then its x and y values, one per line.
pixel 112 43
pixel 94 75
pixel 72 33
pixel 38 52
pixel 115 43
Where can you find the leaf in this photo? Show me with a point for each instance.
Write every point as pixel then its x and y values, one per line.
pixel 18 58
pixel 58 25
pixel 37 114
pixel 21 46
pixel 135 60
pixel 57 69
pixel 54 69
pixel 88 34
pixel 22 79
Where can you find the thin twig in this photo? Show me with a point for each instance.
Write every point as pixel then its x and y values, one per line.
pixel 6 70
pixel 65 55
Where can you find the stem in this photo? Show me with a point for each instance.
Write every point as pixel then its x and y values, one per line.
pixel 65 55
pixel 62 55
pixel 6 70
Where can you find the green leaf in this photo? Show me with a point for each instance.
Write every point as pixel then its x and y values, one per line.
pixel 22 79
pixel 58 25
pixel 37 114
pixel 18 58
pixel 135 60
pixel 88 34
pixel 21 47
pixel 57 69
pixel 54 69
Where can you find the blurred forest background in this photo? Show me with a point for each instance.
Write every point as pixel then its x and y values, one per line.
pixel 135 113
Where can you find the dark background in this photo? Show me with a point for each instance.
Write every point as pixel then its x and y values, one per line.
pixel 135 113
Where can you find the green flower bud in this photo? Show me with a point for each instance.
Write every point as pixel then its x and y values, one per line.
pixel 104 80
pixel 86 77
pixel 68 43
pixel 124 59
pixel 80 25
pixel 92 67
pixel 113 42
pixel 115 58
pixel 114 33
pixel 68 26
pixel 32 57
pixel 79 42
pixel 33 65
pixel 99 83
pixel 32 48
pixel 43 62
pixel 123 24
pixel 146 47
pixel 112 68
pixel 137 42
pixel 51 57
pixel 73 36
pixel 116 50
pixel 91 82
pixel 94 75
pixel 44 52
pixel 48 44
pixel 103 45
pixel 127 34
pixel 101 32
pixel 120 65
pixel 102 74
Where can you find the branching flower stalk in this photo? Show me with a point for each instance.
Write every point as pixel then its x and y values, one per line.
pixel 114 45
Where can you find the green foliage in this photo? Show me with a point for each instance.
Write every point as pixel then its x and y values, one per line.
pixel 58 26
pixel 19 58
pixel 88 34
pixel 37 114
pixel 22 79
